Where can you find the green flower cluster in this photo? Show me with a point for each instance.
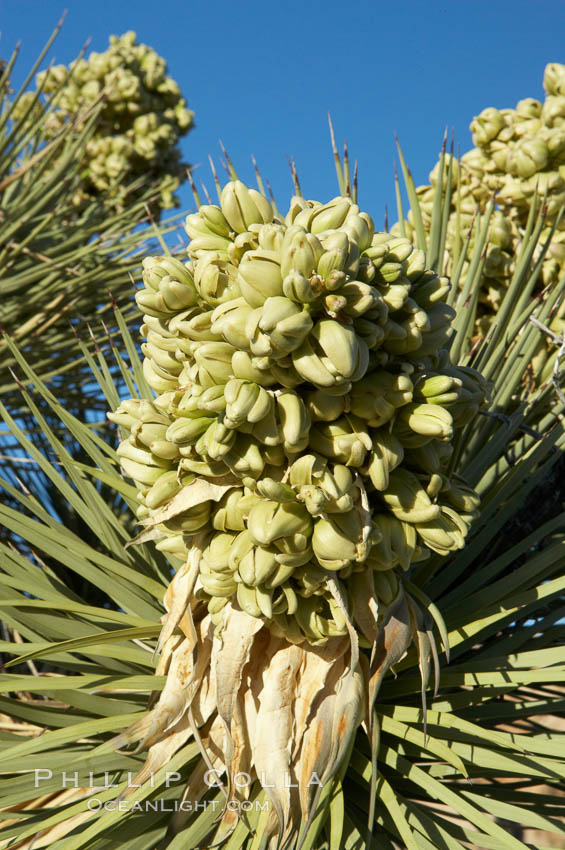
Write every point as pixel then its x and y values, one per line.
pixel 522 150
pixel 300 366
pixel 141 119
pixel 518 152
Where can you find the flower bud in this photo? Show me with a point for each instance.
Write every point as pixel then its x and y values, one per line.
pixel 301 289
pixel 215 279
pixel 329 216
pixel 486 126
pixel 300 252
pixel 337 541
pixel 214 362
pixel 242 206
pixel 554 78
pixel 259 276
pixel 269 521
pixel 344 440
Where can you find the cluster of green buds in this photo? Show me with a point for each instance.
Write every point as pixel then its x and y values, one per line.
pixel 300 367
pixel 519 152
pixel 141 118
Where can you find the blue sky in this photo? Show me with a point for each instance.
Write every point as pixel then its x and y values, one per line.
pixel 262 76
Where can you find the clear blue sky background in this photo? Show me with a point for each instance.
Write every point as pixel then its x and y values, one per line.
pixel 262 76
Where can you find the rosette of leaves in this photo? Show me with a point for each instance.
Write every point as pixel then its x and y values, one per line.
pixel 267 707
pixel 136 133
